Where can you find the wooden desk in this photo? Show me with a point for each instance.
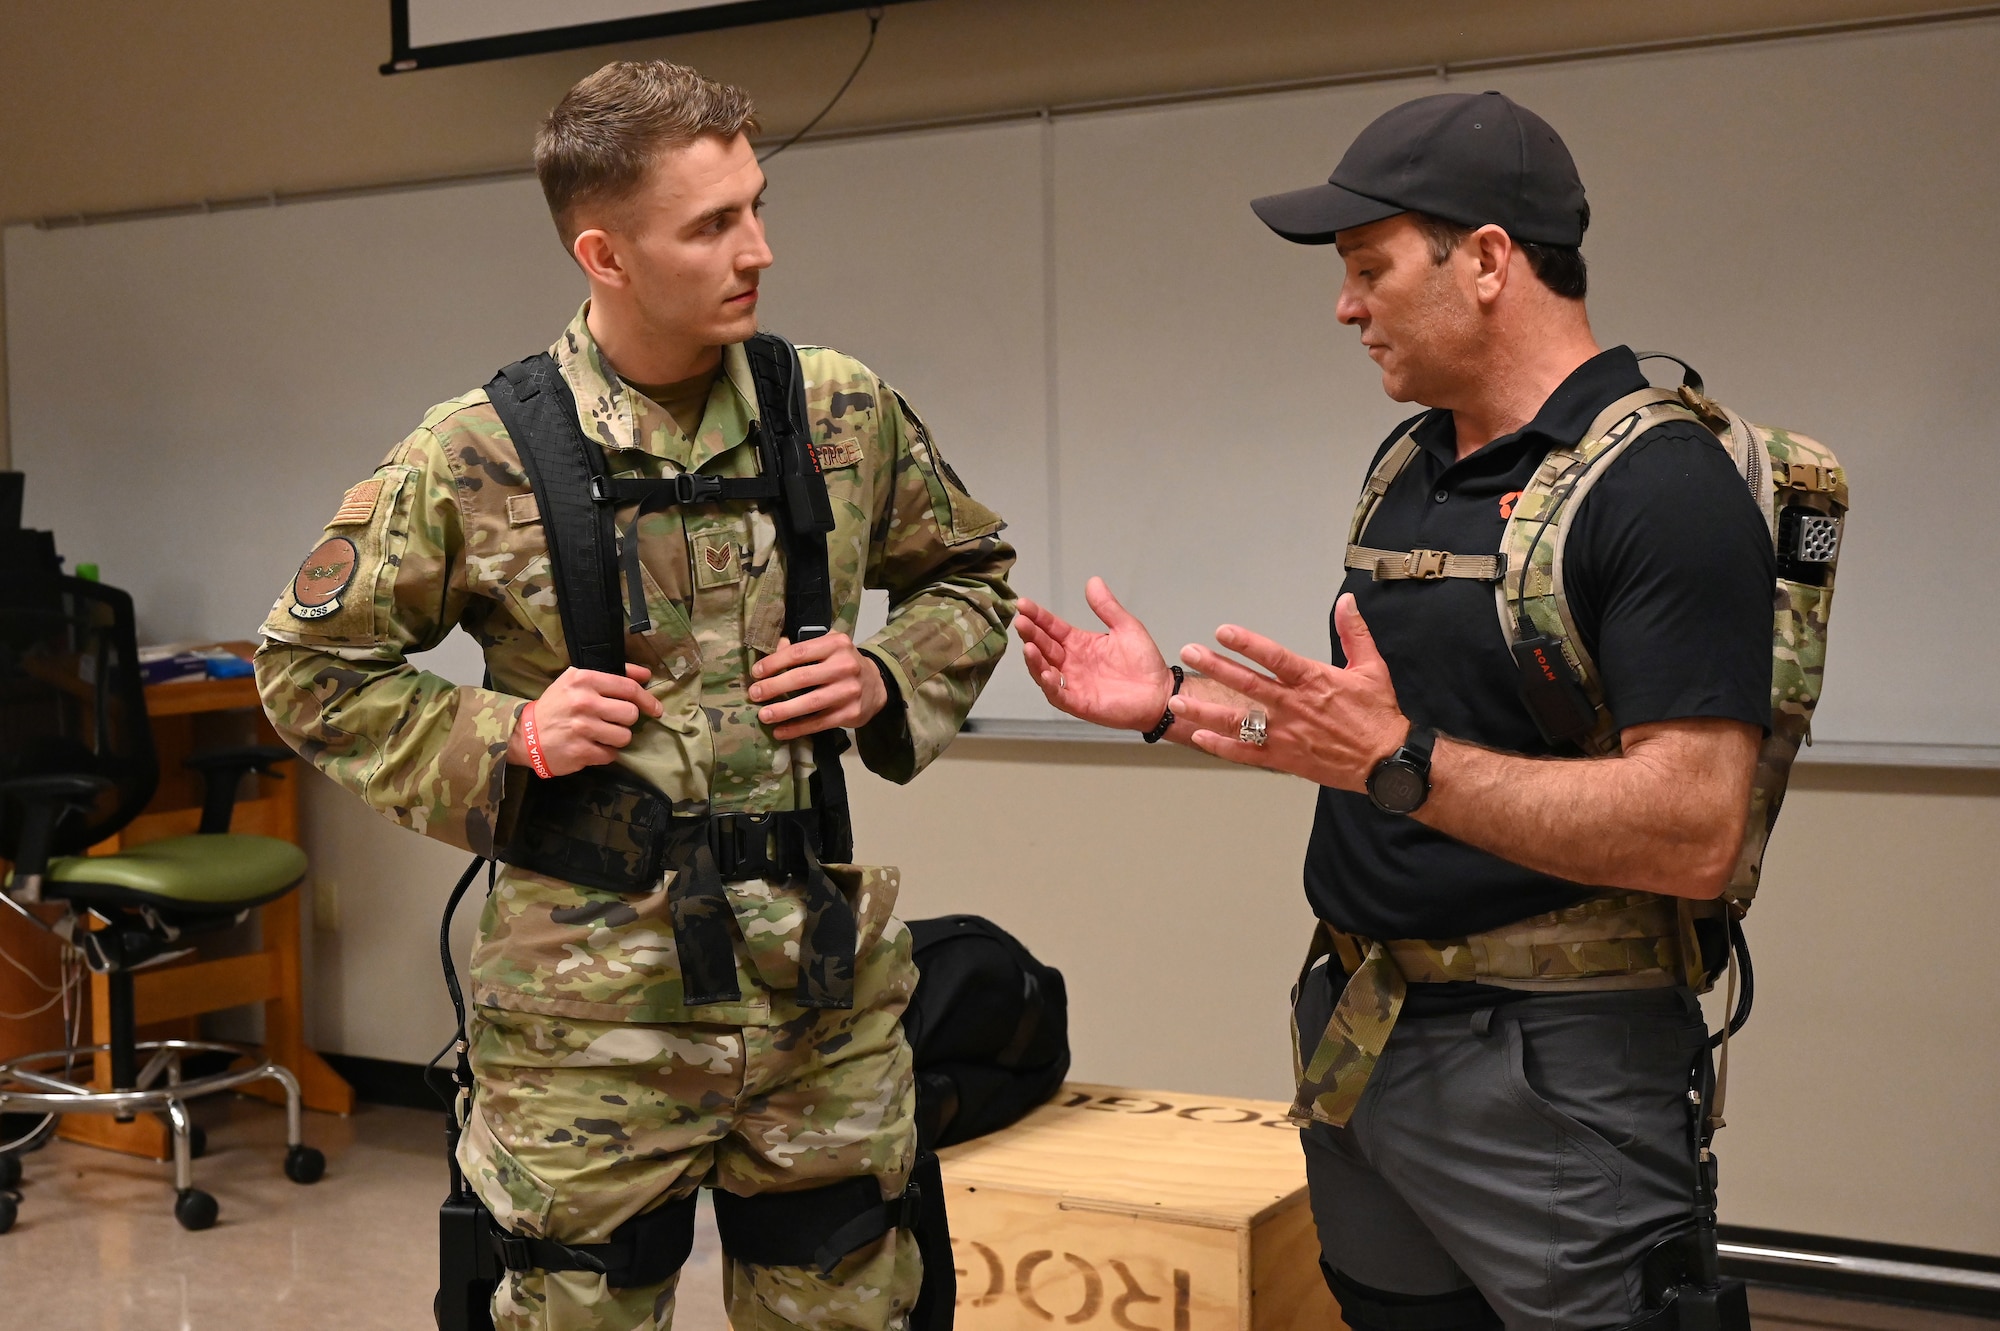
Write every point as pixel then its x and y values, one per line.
pixel 187 717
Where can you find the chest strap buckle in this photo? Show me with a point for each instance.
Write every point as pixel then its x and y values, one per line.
pixel 741 843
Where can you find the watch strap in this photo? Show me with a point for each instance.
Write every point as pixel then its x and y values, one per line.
pixel 1417 745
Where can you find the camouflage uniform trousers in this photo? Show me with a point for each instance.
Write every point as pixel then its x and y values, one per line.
pixel 579 1125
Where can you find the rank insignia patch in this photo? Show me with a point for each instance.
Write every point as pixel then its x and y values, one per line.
pixel 323 577
pixel 359 503
pixel 717 561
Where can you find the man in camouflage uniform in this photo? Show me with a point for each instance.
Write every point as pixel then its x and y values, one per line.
pixel 601 1093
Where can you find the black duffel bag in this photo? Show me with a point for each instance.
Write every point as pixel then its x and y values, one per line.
pixel 989 1027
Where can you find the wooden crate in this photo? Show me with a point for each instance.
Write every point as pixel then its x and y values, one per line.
pixel 1137 1211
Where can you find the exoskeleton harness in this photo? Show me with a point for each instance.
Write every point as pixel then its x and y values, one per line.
pixel 1611 940
pixel 604 826
pixel 1801 491
pixel 607 828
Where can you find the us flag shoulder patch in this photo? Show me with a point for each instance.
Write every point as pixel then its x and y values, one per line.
pixel 358 505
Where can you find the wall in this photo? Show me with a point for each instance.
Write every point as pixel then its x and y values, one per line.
pixel 112 104
pixel 1864 1096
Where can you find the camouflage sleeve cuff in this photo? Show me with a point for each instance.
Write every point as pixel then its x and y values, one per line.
pixel 421 751
pixel 471 770
pixel 934 709
pixel 884 743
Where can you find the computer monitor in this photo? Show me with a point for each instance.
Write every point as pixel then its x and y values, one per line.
pixel 23 550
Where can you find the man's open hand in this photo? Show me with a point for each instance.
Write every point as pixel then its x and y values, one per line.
pixel 833 685
pixel 1324 723
pixel 1117 679
pixel 584 718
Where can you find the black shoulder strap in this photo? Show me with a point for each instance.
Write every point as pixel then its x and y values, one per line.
pixel 786 442
pixel 568 471
pixel 562 462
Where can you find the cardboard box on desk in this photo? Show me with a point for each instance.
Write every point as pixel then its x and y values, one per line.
pixel 1137 1211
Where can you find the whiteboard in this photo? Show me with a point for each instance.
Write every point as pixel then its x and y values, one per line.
pixel 1809 222
pixel 1109 347
pixel 191 396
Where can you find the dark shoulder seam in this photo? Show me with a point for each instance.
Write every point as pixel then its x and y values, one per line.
pixel 1667 433
pixel 1690 431
pixel 1396 434
pixel 451 469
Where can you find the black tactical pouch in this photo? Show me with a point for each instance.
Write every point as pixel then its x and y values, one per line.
pixel 1550 689
pixel 602 827
pixel 468 1265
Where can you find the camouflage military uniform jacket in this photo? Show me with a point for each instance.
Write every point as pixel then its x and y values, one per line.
pixel 446 534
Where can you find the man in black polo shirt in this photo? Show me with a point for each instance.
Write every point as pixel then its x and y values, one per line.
pixel 1509 1136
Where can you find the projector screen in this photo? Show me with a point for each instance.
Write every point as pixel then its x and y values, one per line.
pixel 425 34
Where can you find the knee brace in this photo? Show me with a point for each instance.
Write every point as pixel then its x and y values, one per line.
pixel 818 1227
pixel 474 1254
pixel 645 1250
pixel 1364 1308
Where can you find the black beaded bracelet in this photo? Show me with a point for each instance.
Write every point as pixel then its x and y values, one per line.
pixel 1159 732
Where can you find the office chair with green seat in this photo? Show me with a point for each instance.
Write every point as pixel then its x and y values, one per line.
pixel 76 765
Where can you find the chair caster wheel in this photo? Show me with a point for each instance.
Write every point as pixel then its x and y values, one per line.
pixel 10 1207
pixel 10 1170
pixel 304 1164
pixel 195 1209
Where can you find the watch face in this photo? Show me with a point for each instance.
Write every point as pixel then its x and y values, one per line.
pixel 1398 787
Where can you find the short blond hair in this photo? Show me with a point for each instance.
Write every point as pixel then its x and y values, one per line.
pixel 598 142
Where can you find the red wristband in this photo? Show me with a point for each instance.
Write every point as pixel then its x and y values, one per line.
pixel 531 740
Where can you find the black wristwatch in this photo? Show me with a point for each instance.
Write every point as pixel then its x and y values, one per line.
pixel 1401 782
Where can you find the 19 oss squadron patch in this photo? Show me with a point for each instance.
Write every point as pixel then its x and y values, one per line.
pixel 323 577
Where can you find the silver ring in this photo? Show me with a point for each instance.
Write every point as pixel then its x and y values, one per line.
pixel 1255 728
pixel 1062 680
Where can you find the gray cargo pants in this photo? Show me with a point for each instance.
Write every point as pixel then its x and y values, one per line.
pixel 1535 1151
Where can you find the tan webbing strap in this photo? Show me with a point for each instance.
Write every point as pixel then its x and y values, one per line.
pixel 1425 565
pixel 1538 530
pixel 1611 941
pixel 1333 1072
pixel 1611 433
pixel 1715 1120
pixel 1378 483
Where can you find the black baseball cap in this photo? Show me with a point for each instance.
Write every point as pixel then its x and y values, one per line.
pixel 1469 158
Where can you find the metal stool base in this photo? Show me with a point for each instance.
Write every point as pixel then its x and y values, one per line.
pixel 45 1083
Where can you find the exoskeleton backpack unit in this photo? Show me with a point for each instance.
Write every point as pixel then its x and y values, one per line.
pixel 1802 492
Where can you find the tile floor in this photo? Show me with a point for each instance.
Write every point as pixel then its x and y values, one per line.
pixel 97 1249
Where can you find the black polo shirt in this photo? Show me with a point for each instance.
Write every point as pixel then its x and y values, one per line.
pixel 1669 571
